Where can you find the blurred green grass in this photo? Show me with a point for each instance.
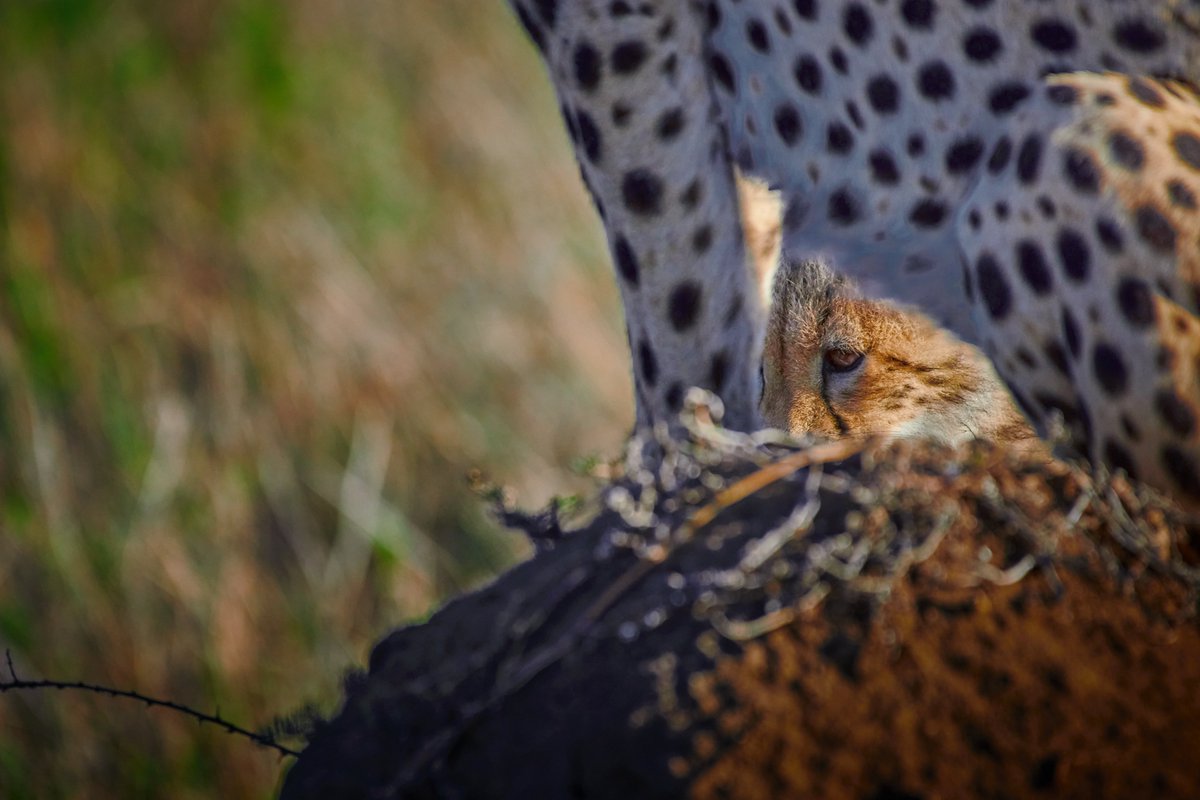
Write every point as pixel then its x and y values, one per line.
pixel 273 276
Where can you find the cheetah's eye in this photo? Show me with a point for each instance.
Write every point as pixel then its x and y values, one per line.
pixel 840 359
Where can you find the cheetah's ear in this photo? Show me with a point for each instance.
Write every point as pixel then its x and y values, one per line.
pixel 762 227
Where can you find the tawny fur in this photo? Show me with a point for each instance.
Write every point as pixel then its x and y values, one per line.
pixel 914 379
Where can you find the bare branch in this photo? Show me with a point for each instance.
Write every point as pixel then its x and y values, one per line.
pixel 15 683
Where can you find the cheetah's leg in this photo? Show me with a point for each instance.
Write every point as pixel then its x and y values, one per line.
pixel 639 108
pixel 1087 297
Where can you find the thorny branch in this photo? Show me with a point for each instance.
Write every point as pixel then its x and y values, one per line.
pixel 15 683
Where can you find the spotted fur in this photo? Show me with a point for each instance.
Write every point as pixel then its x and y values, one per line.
pixel 1026 172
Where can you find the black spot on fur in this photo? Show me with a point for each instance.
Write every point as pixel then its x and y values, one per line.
pixel 648 363
pixel 1126 151
pixel 1180 195
pixel 1026 358
pixel 963 155
pixel 586 62
pixel 837 60
pixel 628 56
pixel 807 9
pixel 1183 469
pixel 918 13
pixel 883 94
pixel 1073 255
pixel 883 168
pixel 1155 229
pixel 683 305
pixel 674 397
pixel 993 287
pixel 935 81
pixel 1033 267
pixel 1071 333
pixel 853 113
pixel 1136 302
pixel 1109 235
pixel 782 22
pixel 589 136
pixel 998 160
pixel 1143 91
pixel 1137 36
pixel 982 45
pixel 1046 206
pixel 807 72
pixel 1054 35
pixel 787 124
pixel 1110 369
pixel 1056 356
pixel 1175 412
pixel 641 191
pixel 1187 147
pixel 1081 170
pixel 718 371
pixel 928 214
pixel 718 65
pixel 712 16
pixel 857 24
pixel 1062 94
pixel 702 239
pixel 531 27
pixel 843 208
pixel 839 139
pixel 1029 159
pixel 1007 96
pixel 756 33
pixel 670 124
pixel 548 11
pixel 627 263
pixel 569 119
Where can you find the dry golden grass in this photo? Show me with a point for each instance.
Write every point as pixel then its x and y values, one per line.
pixel 273 277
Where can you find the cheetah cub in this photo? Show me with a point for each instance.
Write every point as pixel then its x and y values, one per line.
pixel 840 365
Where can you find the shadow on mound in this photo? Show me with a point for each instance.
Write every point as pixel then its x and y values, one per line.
pixel 747 620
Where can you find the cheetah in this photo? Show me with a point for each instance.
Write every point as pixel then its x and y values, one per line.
pixel 1025 172
pixel 839 365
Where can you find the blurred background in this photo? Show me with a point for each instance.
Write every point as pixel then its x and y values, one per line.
pixel 274 275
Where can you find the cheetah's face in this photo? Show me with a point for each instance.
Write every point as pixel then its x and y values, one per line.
pixel 839 365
